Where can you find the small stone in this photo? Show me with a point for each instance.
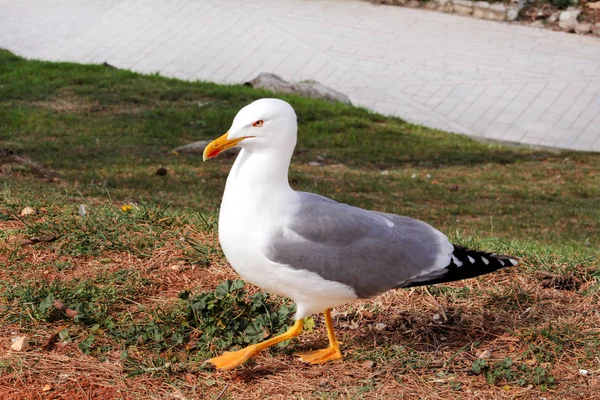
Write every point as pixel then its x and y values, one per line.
pixel 367 364
pixel 554 17
pixel 19 343
pixel 596 29
pixel 385 172
pixel 484 354
pixel 448 7
pixel 484 5
pixel 175 267
pixel 310 89
pixel 314 164
pixel 436 317
pixel 82 210
pixel 537 24
pixel 498 7
pixel 414 176
pixel 27 211
pixel 567 20
pixel 463 7
pixel 583 28
pixel 594 6
pixel 512 13
pixel 320 158
pixel 47 387
pixel 380 326
pixel 584 372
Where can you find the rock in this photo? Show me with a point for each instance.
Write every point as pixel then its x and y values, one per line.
pixel 192 148
pixel 448 7
pixel 82 211
pixel 512 13
pixel 554 17
pixel 537 24
pixel 19 343
pixel 594 6
pixel 314 164
pixel 413 4
pixel 380 326
pixel 484 5
pixel 596 29
pixel 583 28
pixel 484 354
pixel 27 211
pixel 486 12
pixel 367 364
pixel 310 89
pixel 431 5
pixel 567 20
pixel 197 148
pixel 499 7
pixel 584 372
pixel 464 7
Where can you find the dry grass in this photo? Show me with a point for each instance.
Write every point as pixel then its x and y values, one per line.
pixel 415 354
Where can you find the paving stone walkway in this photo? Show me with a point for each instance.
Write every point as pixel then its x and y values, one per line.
pixel 480 78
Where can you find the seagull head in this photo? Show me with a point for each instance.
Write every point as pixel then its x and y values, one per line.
pixel 262 126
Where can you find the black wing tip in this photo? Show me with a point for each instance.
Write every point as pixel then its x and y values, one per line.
pixel 466 263
pixel 503 260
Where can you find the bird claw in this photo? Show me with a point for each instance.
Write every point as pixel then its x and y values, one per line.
pixel 320 356
pixel 232 359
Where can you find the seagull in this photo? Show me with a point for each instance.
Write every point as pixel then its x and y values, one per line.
pixel 312 249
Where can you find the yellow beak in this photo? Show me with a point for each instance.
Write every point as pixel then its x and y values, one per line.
pixel 219 145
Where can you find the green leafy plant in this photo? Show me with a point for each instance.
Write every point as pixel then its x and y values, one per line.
pixel 507 371
pixel 229 316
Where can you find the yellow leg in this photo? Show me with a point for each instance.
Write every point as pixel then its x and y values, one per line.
pixel 324 355
pixel 229 360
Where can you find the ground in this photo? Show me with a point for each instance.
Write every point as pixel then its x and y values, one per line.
pixel 115 276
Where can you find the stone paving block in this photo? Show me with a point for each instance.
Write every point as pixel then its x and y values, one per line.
pixel 427 67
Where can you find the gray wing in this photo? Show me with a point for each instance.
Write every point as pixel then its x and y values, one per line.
pixel 370 251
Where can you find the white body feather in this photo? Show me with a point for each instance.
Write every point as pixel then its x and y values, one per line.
pixel 249 218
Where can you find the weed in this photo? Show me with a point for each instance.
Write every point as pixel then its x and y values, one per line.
pixel 229 317
pixel 507 371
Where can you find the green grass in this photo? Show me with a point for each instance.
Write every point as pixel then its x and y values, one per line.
pixel 144 280
pixel 107 131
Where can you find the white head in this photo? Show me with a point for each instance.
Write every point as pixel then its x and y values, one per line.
pixel 264 125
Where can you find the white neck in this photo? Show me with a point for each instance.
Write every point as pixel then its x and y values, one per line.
pixel 260 177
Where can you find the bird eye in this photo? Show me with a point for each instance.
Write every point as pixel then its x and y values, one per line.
pixel 258 124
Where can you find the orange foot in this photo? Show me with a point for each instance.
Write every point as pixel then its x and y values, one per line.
pixel 232 359
pixel 320 356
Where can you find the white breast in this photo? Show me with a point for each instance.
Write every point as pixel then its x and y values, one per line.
pixel 247 223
